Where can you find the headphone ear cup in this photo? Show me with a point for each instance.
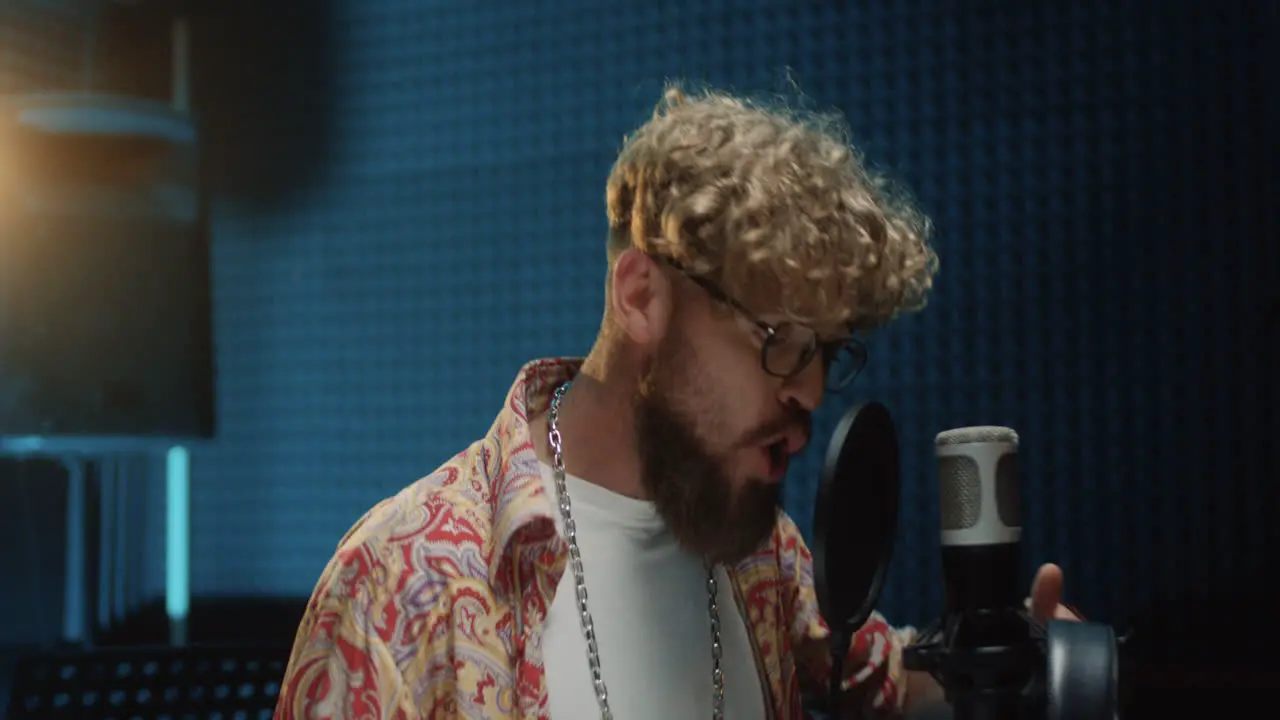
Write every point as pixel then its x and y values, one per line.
pixel 1082 671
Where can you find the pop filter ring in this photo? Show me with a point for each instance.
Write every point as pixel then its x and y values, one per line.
pixel 864 437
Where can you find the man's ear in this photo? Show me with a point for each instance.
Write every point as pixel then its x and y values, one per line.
pixel 640 298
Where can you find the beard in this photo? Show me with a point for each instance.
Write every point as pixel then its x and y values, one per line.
pixel 687 480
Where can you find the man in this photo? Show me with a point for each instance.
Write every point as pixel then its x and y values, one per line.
pixel 612 547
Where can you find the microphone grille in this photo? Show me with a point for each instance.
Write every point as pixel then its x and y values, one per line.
pixel 961 500
pixel 976 434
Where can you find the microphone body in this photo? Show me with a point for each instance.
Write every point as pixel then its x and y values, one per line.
pixel 981 518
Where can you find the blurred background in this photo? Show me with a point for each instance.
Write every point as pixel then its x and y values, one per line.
pixel 309 245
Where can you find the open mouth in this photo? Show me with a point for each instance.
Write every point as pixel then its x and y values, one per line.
pixel 778 459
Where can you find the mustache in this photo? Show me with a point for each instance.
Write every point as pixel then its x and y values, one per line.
pixel 800 419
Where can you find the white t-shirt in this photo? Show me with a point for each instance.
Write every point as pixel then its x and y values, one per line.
pixel 648 600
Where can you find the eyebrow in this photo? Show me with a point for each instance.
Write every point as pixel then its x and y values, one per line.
pixel 720 294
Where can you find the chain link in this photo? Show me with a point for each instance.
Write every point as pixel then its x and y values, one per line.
pixel 584 613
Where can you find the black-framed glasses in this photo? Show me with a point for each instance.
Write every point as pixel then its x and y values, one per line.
pixel 788 347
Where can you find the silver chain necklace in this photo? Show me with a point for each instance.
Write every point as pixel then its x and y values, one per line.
pixel 575 562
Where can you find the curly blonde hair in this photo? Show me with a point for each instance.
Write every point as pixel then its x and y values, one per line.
pixel 775 206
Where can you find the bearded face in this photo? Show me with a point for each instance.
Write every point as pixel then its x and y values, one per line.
pixel 700 460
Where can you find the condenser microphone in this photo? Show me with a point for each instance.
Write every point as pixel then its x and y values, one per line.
pixel 993 659
pixel 980 518
pixel 984 651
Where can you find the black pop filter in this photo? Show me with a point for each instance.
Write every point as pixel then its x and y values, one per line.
pixel 855 521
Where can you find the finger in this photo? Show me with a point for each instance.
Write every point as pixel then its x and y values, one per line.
pixel 1067 612
pixel 1046 592
pixel 1062 612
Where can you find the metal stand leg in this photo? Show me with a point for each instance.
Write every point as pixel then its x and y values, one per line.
pixel 107 569
pixel 120 544
pixel 139 562
pixel 73 604
pixel 177 569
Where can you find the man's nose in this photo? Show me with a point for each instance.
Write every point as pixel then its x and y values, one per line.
pixel 806 388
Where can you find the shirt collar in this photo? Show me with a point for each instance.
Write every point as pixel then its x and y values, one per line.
pixel 523 512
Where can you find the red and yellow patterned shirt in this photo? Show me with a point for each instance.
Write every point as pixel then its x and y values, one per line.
pixel 434 603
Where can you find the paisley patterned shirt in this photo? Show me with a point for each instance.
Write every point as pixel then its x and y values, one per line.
pixel 433 605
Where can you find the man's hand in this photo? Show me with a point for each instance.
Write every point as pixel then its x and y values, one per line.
pixel 1045 602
